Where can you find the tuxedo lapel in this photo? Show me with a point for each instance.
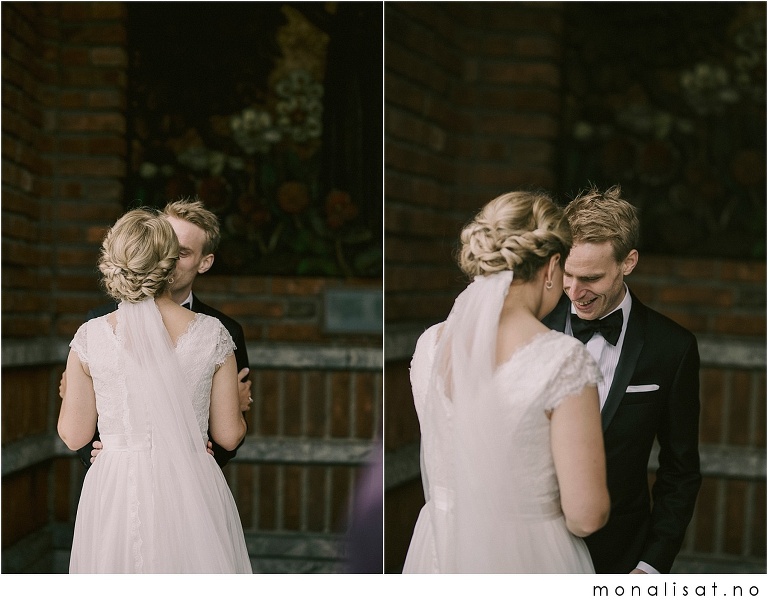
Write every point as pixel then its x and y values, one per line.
pixel 630 352
pixel 556 319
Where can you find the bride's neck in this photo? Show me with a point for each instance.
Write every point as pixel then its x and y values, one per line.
pixel 523 300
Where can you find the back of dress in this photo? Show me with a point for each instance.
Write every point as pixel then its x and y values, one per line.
pixel 154 494
pixel 200 350
pixel 490 484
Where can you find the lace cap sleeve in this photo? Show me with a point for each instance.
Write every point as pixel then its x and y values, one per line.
pixel 80 343
pixel 225 346
pixel 578 369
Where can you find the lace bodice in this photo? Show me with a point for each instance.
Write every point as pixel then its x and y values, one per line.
pixel 532 382
pixel 201 350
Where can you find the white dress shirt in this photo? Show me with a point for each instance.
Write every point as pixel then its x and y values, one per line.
pixel 606 356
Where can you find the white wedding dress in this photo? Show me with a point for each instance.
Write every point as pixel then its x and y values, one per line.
pixel 492 497
pixel 154 501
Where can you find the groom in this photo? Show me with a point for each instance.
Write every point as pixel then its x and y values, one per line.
pixel 650 389
pixel 197 230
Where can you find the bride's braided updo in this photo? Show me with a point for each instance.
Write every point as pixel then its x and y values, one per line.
pixel 138 255
pixel 516 231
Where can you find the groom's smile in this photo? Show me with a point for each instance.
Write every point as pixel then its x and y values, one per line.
pixel 594 280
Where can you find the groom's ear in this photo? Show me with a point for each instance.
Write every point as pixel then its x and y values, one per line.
pixel 206 262
pixel 630 262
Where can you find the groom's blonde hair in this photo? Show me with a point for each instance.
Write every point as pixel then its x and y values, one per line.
pixel 597 217
pixel 193 211
pixel 517 231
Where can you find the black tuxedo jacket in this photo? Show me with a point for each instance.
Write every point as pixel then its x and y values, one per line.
pixel 654 395
pixel 221 455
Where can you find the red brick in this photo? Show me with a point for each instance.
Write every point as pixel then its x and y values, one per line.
pixel 252 332
pixel 108 192
pixel 107 99
pixel 24 254
pixel 408 250
pixel 23 279
pixel 251 285
pixel 288 332
pixel 16 201
pixel 71 57
pixel 89 211
pixel 704 268
pixel 418 222
pixel 20 326
pixel 109 56
pixel 109 10
pixel 426 308
pixel 402 93
pixel 712 386
pixel 71 256
pixel 67 325
pixel 650 264
pixel 94 77
pixel 18 177
pixel 702 296
pixel 78 305
pixel 69 281
pixel 96 234
pixel 19 228
pixel 692 321
pixel 253 308
pixel 305 286
pixel 89 33
pixel 92 122
pixel 420 279
pixel 753 272
pixel 534 126
pixel 739 325
pixel 92 166
pixel 529 74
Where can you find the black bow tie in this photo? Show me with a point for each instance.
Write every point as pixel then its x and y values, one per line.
pixel 187 305
pixel 609 327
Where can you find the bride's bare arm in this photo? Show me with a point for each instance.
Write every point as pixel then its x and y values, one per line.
pixel 227 424
pixel 77 418
pixel 579 455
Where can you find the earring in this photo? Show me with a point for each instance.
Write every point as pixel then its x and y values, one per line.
pixel 548 284
pixel 170 280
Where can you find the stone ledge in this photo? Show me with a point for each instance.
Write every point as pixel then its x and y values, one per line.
pixel 53 351
pixel 715 351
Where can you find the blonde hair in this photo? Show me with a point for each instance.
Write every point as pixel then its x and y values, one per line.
pixel 193 210
pixel 517 231
pixel 596 217
pixel 138 255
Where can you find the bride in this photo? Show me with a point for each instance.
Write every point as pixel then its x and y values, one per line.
pixel 513 465
pixel 152 374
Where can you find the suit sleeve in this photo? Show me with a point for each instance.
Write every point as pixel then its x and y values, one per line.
pixel 678 477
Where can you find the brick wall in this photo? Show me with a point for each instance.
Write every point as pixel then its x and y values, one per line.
pixel 64 77
pixel 471 111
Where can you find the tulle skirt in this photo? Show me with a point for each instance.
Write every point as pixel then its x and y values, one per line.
pixel 522 545
pixel 125 525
